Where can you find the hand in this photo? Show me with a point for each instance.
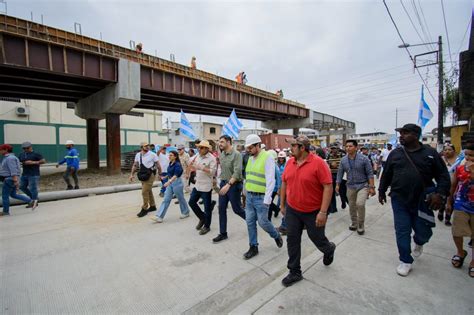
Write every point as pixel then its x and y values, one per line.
pixel 449 208
pixel 435 202
pixel 337 189
pixel 382 198
pixel 321 219
pixel 224 189
pixel 371 192
pixel 29 162
pixel 167 184
pixel 283 209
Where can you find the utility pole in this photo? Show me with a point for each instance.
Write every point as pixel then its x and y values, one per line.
pixel 440 92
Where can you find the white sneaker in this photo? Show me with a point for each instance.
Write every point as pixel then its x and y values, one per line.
pixel 184 216
pixel 34 204
pixel 403 269
pixel 417 251
pixel 156 219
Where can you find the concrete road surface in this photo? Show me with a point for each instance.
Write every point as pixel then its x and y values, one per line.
pixel 93 255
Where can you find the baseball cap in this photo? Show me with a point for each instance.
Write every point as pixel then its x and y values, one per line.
pixel 410 128
pixel 25 145
pixel 303 140
pixel 180 146
pixel 143 144
pixel 6 147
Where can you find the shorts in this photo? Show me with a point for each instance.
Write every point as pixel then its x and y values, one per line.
pixel 463 224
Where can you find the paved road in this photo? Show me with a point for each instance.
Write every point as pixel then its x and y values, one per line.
pixel 93 255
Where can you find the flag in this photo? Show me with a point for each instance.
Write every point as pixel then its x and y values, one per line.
pixel 424 113
pixel 185 127
pixel 232 126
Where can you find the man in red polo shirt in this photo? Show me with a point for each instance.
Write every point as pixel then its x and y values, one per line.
pixel 305 196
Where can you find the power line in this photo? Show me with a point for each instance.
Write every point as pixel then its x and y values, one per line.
pixel 446 29
pixel 409 54
pixel 418 17
pixel 411 21
pixel 464 37
pixel 426 24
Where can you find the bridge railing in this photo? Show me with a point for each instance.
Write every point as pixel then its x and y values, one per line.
pixel 29 29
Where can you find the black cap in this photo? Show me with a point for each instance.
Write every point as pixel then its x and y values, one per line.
pixel 410 128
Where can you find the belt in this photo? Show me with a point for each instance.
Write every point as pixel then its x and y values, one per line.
pixel 256 193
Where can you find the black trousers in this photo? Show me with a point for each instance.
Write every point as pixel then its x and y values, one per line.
pixel 295 221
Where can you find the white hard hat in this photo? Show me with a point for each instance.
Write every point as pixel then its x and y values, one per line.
pixel 69 142
pixel 282 154
pixel 263 146
pixel 252 139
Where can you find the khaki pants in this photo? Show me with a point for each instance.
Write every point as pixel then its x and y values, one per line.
pixel 147 193
pixel 357 199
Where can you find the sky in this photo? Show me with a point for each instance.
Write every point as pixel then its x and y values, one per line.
pixel 336 57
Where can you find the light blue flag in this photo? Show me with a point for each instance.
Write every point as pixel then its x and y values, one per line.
pixel 185 127
pixel 232 126
pixel 424 113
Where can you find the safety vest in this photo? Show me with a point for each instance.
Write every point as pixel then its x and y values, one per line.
pixel 255 174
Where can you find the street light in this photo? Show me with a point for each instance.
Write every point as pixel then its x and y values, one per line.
pixel 440 82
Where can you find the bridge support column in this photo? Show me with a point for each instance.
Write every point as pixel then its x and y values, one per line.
pixel 93 158
pixel 296 131
pixel 344 138
pixel 328 140
pixel 275 131
pixel 112 126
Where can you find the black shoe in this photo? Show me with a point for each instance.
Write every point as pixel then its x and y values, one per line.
pixel 76 187
pixel 253 251
pixel 204 230
pixel 142 213
pixel 219 238
pixel 213 205
pixel 440 216
pixel 328 258
pixel 69 187
pixel 279 242
pixel 282 230
pixel 200 225
pixel 343 206
pixel 352 227
pixel 151 209
pixel 291 279
pixel 448 223
pixel 176 202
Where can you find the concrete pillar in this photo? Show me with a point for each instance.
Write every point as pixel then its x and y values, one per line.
pixel 296 131
pixel 328 140
pixel 344 138
pixel 93 159
pixel 112 125
pixel 275 131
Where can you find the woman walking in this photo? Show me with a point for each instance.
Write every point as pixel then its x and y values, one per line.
pixel 174 186
pixel 449 157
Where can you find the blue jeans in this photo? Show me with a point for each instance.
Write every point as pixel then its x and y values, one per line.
pixel 176 188
pixel 163 182
pixel 9 190
pixel 73 174
pixel 283 222
pixel 29 185
pixel 256 210
pixel 206 196
pixel 406 220
pixel 234 196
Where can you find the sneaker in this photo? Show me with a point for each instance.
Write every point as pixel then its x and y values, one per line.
pixel 204 230
pixel 360 229
pixel 329 258
pixel 282 230
pixel 34 204
pixel 142 213
pixel 76 187
pixel 151 209
pixel 4 214
pixel 403 269
pixel 219 238
pixel 417 251
pixel 69 187
pixel 252 252
pixel 279 242
pixel 291 279
pixel 29 205
pixel 156 219
pixel 440 215
pixel 343 205
pixel 184 216
pixel 176 202
pixel 353 227
pixel 200 225
pixel 162 194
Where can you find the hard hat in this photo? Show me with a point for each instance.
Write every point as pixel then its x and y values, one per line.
pixel 282 154
pixel 252 139
pixel 273 154
pixel 69 142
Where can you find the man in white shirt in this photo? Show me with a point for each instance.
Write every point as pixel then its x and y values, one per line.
pixel 146 160
pixel 164 162
pixel 204 164
pixel 385 153
pixel 259 184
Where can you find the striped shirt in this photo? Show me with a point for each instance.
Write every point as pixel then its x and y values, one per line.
pixel 358 170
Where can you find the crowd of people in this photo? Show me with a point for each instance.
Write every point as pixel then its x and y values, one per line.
pixel 302 183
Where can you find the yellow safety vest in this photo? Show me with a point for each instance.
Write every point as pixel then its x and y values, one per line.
pixel 255 174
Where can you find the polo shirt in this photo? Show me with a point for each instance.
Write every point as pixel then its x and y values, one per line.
pixel 149 159
pixel 231 165
pixel 30 170
pixel 304 183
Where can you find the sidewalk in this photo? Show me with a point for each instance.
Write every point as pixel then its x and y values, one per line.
pixel 93 255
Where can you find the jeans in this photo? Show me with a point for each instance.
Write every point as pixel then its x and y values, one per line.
pixel 295 221
pixel 357 199
pixel 406 220
pixel 233 195
pixel 29 185
pixel 176 188
pixel 257 211
pixel 206 196
pixel 9 190
pixel 73 173
pixel 163 182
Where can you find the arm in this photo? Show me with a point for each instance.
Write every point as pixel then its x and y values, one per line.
pixel 283 197
pixel 370 175
pixel 269 179
pixel 450 200
pixel 385 180
pixel 237 173
pixel 340 174
pixel 321 218
pixel 134 168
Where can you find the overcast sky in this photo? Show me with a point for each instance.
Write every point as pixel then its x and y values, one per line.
pixel 337 57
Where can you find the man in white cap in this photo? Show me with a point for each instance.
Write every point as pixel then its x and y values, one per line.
pixel 260 181
pixel 72 165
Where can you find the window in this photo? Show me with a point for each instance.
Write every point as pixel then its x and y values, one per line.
pixel 212 130
pixel 176 132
